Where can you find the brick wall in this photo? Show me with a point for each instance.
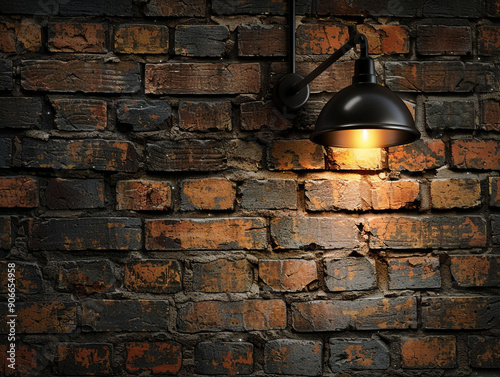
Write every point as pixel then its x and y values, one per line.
pixel 165 218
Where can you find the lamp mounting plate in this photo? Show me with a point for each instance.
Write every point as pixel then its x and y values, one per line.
pixel 284 95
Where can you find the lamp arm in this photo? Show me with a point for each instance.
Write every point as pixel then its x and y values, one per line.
pixel 356 39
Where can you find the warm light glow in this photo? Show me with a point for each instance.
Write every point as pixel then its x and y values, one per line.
pixel 362 138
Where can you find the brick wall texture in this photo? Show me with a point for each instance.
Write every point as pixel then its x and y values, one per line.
pixel 166 219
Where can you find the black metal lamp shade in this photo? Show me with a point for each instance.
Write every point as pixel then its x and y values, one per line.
pixel 365 115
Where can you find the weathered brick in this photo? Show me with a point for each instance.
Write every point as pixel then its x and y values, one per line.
pixel 20 36
pixel 386 39
pixel 494 191
pixel 245 315
pixel 475 154
pixel 361 314
pixel 86 233
pixel 174 8
pixel 269 194
pixel 201 40
pixel 18 192
pixel 495 229
pixel 349 274
pixel 99 8
pixel 355 159
pixel 80 76
pixel 444 40
pixel 20 112
pixel 261 40
pixel 460 313
pixel 493 8
pixel 288 275
pixel 83 359
pixel 143 115
pixel 124 315
pixel 490 115
pixel 295 155
pixel 321 38
pixel 230 7
pixel 29 360
pixel 207 194
pixel 347 354
pixel 141 39
pixel 107 155
pixel 445 232
pixel 205 116
pixel 488 38
pixel 222 275
pixel 77 37
pixel 28 278
pixel 257 115
pixel 418 156
pixel 440 76
pixel 5 153
pixel 414 273
pixel 455 193
pixel 6 75
pixel 64 193
pixel 192 155
pixel 246 155
pixel 141 195
pixel 450 115
pixel 80 114
pixel 85 277
pixel 154 357
pixel 475 270
pixel 429 352
pixel 153 276
pixel 42 317
pixel 202 78
pixel 206 234
pixel 293 357
pixel 223 358
pixel 484 351
pixel 321 232
pixel 5 232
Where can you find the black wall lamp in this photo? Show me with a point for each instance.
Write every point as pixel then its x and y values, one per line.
pixel 363 115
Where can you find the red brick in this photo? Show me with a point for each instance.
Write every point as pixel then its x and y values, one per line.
pixel 18 192
pixel 269 194
pixel 494 191
pixel 475 270
pixel 288 275
pixel 143 195
pixel 28 361
pixel 28 277
pixel 202 78
pixel 460 313
pixel 5 232
pixel 295 155
pixel 208 194
pixel 320 38
pixel 484 351
pixel 154 357
pixel 360 314
pixel 475 154
pixel 64 193
pixel 141 39
pixel 493 8
pixel 153 276
pixel 43 317
pixel 174 8
pixel 355 159
pixel 444 40
pixel 262 40
pixel 490 115
pixel 418 156
pixel 20 36
pixel 414 273
pixel 488 37
pixel 455 193
pixel 201 40
pixel 248 315
pixel 348 354
pixel 394 232
pixel 386 39
pixel 85 277
pixel 143 115
pixel 258 115
pixel 429 352
pixel 80 76
pixel 293 357
pixel 228 358
pixel 320 232
pixel 222 275
pixel 84 359
pixel 77 37
pixel 80 114
pixel 349 274
pixel 206 234
pixel 205 116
